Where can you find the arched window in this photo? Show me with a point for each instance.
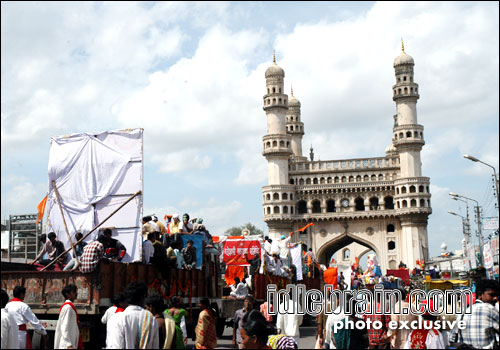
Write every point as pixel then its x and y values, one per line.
pixel 399 205
pixel 421 189
pixel 405 204
pixel 316 206
pixel 374 177
pixel 358 178
pixel 308 181
pixel 282 143
pixel 291 196
pixel 301 207
pixel 330 206
pixel 276 196
pixel 329 180
pixel 275 143
pixel 413 189
pixel 291 182
pixel 408 134
pixel 274 90
pixel 346 254
pixel 397 190
pixel 322 180
pixel 403 189
pixel 390 228
pixel 344 179
pixel 374 203
pixel 291 210
pixel 380 177
pixel 301 181
pixel 268 210
pixel 315 181
pixel 391 245
pixel 366 178
pixel 413 203
pixel 336 180
pixel 406 90
pixel 285 209
pixel 389 202
pixel 276 210
pixel 351 178
pixel 268 197
pixel 401 135
pixel 268 144
pixel 359 204
pixel 422 203
pixel 284 196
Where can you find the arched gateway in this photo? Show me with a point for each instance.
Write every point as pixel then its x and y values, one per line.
pixel 380 203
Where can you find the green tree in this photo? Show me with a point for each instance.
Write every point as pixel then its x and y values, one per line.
pixel 237 230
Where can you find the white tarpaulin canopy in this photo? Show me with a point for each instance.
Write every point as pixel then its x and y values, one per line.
pixel 95 173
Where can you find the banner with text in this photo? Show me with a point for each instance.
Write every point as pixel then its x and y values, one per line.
pixel 235 250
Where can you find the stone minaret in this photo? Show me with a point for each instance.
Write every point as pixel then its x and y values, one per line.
pixel 412 190
pixel 295 127
pixel 278 195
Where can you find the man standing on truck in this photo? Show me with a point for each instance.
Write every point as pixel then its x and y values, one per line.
pixel 22 314
pixel 67 332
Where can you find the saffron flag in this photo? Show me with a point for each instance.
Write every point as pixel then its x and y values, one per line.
pixel 41 208
pixel 304 228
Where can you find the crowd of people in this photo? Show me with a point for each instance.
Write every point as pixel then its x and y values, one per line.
pixel 135 321
pixel 162 245
pixel 480 331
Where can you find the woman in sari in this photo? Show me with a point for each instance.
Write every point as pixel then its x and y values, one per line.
pixel 179 316
pixel 206 335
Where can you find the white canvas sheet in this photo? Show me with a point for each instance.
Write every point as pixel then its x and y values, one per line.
pixel 95 173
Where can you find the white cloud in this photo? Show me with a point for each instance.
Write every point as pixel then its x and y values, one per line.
pixel 181 161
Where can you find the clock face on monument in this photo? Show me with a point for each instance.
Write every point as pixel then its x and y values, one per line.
pixel 345 203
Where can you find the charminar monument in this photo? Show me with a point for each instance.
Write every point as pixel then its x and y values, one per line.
pixel 356 205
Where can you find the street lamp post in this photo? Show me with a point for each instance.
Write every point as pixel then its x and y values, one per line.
pixel 480 235
pixel 467 222
pixel 474 159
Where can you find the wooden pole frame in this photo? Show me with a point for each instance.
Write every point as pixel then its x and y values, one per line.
pixel 80 240
pixel 64 221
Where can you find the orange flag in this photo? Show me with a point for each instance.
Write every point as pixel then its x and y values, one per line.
pixel 304 228
pixel 41 208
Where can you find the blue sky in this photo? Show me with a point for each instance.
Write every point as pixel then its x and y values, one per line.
pixel 192 75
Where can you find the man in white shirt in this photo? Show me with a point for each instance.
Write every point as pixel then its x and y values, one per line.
pixel 113 314
pixel 22 314
pixel 274 266
pixel 289 322
pixel 267 244
pixel 136 327
pixel 67 332
pixel 239 290
pixel 10 330
pixel 147 248
pixel 284 250
pixel 185 226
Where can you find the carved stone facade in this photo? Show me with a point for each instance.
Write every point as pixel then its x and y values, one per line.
pixel 379 204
